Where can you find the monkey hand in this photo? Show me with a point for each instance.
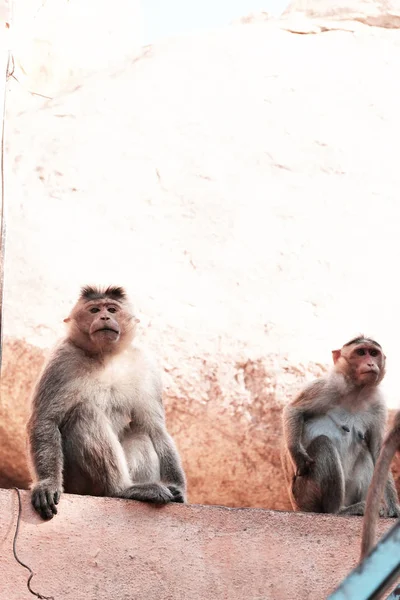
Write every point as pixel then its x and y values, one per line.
pixel 45 495
pixel 177 493
pixel 303 463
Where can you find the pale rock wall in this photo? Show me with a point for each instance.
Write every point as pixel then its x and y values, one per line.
pixel 56 43
pixel 240 184
pixel 378 13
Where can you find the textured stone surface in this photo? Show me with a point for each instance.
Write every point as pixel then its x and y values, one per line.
pixel 99 549
pixel 379 13
pixel 20 367
pixel 243 185
pixel 57 43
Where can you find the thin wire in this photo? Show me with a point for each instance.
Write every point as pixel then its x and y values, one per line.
pixel 28 583
pixel 3 218
pixel 10 73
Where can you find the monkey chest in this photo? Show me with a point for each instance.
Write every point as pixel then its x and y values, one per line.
pixel 111 402
pixel 123 406
pixel 345 429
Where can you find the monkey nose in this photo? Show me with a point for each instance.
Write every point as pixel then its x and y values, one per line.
pixel 104 318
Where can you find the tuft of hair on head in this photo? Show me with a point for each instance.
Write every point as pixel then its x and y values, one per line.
pixel 360 339
pixel 91 292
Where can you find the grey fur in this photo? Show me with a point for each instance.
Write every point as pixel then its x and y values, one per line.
pixel 333 433
pixel 98 427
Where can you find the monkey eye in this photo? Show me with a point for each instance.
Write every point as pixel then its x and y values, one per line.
pixel 94 309
pixel 360 351
pixel 374 352
pixel 112 309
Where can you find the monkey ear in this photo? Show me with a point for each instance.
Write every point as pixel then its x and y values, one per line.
pixel 336 354
pixel 136 319
pixel 67 320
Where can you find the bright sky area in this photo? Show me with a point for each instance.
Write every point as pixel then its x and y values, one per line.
pixel 176 17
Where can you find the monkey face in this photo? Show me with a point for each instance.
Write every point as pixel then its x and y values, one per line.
pixel 363 362
pixel 366 361
pixel 101 326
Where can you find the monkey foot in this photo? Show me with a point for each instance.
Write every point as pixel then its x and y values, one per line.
pixel 150 492
pixel 354 509
pixel 177 494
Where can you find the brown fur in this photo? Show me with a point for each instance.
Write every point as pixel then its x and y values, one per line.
pixel 375 492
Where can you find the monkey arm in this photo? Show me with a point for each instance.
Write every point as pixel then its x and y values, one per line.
pixel 43 427
pixel 171 471
pixel 46 450
pixel 293 421
pixel 310 401
pixel 170 464
pixel 47 458
pixel 314 399
pixel 45 444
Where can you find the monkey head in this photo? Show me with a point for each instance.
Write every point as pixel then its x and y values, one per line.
pixel 361 361
pixel 102 321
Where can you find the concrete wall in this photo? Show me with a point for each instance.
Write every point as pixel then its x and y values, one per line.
pixel 103 549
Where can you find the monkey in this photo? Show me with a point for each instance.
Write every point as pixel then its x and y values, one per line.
pixel 97 423
pixel 390 445
pixel 333 432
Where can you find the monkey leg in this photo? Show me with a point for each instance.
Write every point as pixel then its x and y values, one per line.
pixel 155 493
pixel 358 509
pixel 322 488
pixel 153 460
pixel 144 468
pixel 142 459
pixel 95 462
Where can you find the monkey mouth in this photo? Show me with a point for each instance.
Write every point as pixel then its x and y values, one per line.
pixel 107 329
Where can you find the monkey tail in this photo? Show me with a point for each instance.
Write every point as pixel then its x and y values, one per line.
pixel 375 492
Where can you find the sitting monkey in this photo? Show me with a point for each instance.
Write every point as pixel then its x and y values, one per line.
pixel 97 424
pixel 333 433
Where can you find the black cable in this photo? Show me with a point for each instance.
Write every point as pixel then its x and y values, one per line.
pixel 28 583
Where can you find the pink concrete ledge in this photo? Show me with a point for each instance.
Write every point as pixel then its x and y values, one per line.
pixel 110 549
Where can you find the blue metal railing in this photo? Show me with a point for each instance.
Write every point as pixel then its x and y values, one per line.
pixel 376 573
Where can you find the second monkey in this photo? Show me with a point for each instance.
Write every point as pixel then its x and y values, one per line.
pixel 333 434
